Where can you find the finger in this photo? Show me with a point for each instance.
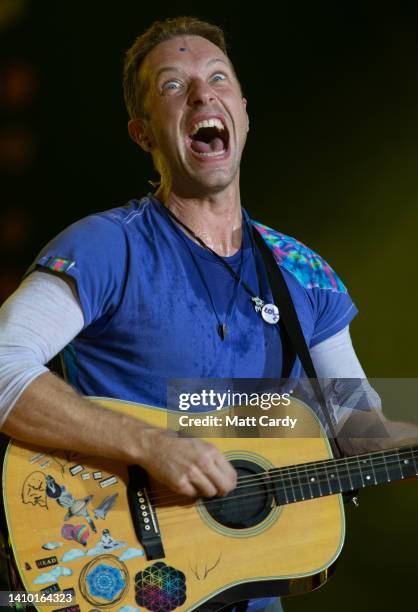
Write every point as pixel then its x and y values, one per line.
pixel 205 483
pixel 219 472
pixel 217 469
pixel 225 475
pixel 185 487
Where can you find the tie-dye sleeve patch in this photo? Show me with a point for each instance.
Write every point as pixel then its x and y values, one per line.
pixel 307 266
pixel 59 264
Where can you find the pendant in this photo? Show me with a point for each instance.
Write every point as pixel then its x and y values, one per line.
pixel 270 313
pixel 258 303
pixel 222 331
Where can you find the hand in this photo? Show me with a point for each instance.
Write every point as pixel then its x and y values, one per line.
pixel 189 466
pixel 369 431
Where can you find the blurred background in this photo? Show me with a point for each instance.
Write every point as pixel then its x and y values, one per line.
pixel 332 158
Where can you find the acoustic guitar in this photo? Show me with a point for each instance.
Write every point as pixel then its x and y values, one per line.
pixel 88 534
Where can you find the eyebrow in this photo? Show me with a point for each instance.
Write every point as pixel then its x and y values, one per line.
pixel 176 69
pixel 215 60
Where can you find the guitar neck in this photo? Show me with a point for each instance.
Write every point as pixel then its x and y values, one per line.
pixel 316 479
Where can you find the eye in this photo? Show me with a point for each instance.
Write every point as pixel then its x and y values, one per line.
pixel 218 76
pixel 171 85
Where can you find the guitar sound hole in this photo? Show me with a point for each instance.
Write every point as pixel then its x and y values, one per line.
pixel 249 503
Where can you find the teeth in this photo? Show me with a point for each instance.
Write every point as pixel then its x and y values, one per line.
pixel 207 123
pixel 211 153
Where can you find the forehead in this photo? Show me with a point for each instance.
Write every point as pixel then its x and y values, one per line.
pixel 181 52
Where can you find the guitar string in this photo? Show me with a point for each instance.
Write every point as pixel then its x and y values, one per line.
pixel 294 486
pixel 326 465
pixel 320 468
pixel 172 517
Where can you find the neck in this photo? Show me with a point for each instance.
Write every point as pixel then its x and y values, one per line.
pixel 319 478
pixel 216 219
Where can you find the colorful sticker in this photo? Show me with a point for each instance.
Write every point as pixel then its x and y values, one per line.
pixel 71 555
pixel 53 489
pixel 51 545
pixel 160 588
pixel 131 553
pixel 106 544
pixel 75 507
pixel 105 505
pixel 52 576
pixel 79 533
pixel 104 581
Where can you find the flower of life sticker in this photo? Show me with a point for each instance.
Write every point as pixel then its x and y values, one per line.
pixel 160 588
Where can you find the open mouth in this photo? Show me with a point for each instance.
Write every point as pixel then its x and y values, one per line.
pixel 209 138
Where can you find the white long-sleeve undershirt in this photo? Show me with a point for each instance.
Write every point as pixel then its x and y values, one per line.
pixel 43 316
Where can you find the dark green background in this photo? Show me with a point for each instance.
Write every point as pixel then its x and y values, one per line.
pixel 331 158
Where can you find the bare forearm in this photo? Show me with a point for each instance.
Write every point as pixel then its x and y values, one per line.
pixel 371 431
pixel 50 413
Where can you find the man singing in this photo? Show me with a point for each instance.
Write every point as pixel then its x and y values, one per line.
pixel 165 287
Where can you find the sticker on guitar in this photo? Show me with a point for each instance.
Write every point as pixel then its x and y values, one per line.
pixel 62 461
pixel 160 588
pixel 104 580
pixel 75 507
pixel 105 544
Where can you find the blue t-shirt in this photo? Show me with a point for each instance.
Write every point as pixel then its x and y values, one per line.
pixel 153 300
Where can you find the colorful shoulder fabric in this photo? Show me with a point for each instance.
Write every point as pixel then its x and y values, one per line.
pixel 307 266
pixel 59 264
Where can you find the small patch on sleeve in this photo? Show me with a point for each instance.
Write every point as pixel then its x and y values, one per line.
pixel 59 264
pixel 307 266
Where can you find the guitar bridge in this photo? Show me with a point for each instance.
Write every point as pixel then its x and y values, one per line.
pixel 143 515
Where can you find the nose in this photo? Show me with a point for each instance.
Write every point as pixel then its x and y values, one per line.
pixel 200 93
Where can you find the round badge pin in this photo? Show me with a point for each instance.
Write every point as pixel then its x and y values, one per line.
pixel 270 313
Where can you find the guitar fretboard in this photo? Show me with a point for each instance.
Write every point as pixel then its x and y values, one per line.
pixel 306 481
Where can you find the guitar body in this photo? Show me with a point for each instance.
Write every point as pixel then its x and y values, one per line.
pixel 71 531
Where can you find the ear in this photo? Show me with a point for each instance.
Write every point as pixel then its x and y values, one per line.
pixel 244 101
pixel 139 132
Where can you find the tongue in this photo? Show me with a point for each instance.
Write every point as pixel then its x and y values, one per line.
pixel 216 144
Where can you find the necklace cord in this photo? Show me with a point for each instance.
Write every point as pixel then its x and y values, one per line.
pixel 208 248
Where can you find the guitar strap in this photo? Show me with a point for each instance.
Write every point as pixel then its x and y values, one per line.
pixel 294 343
